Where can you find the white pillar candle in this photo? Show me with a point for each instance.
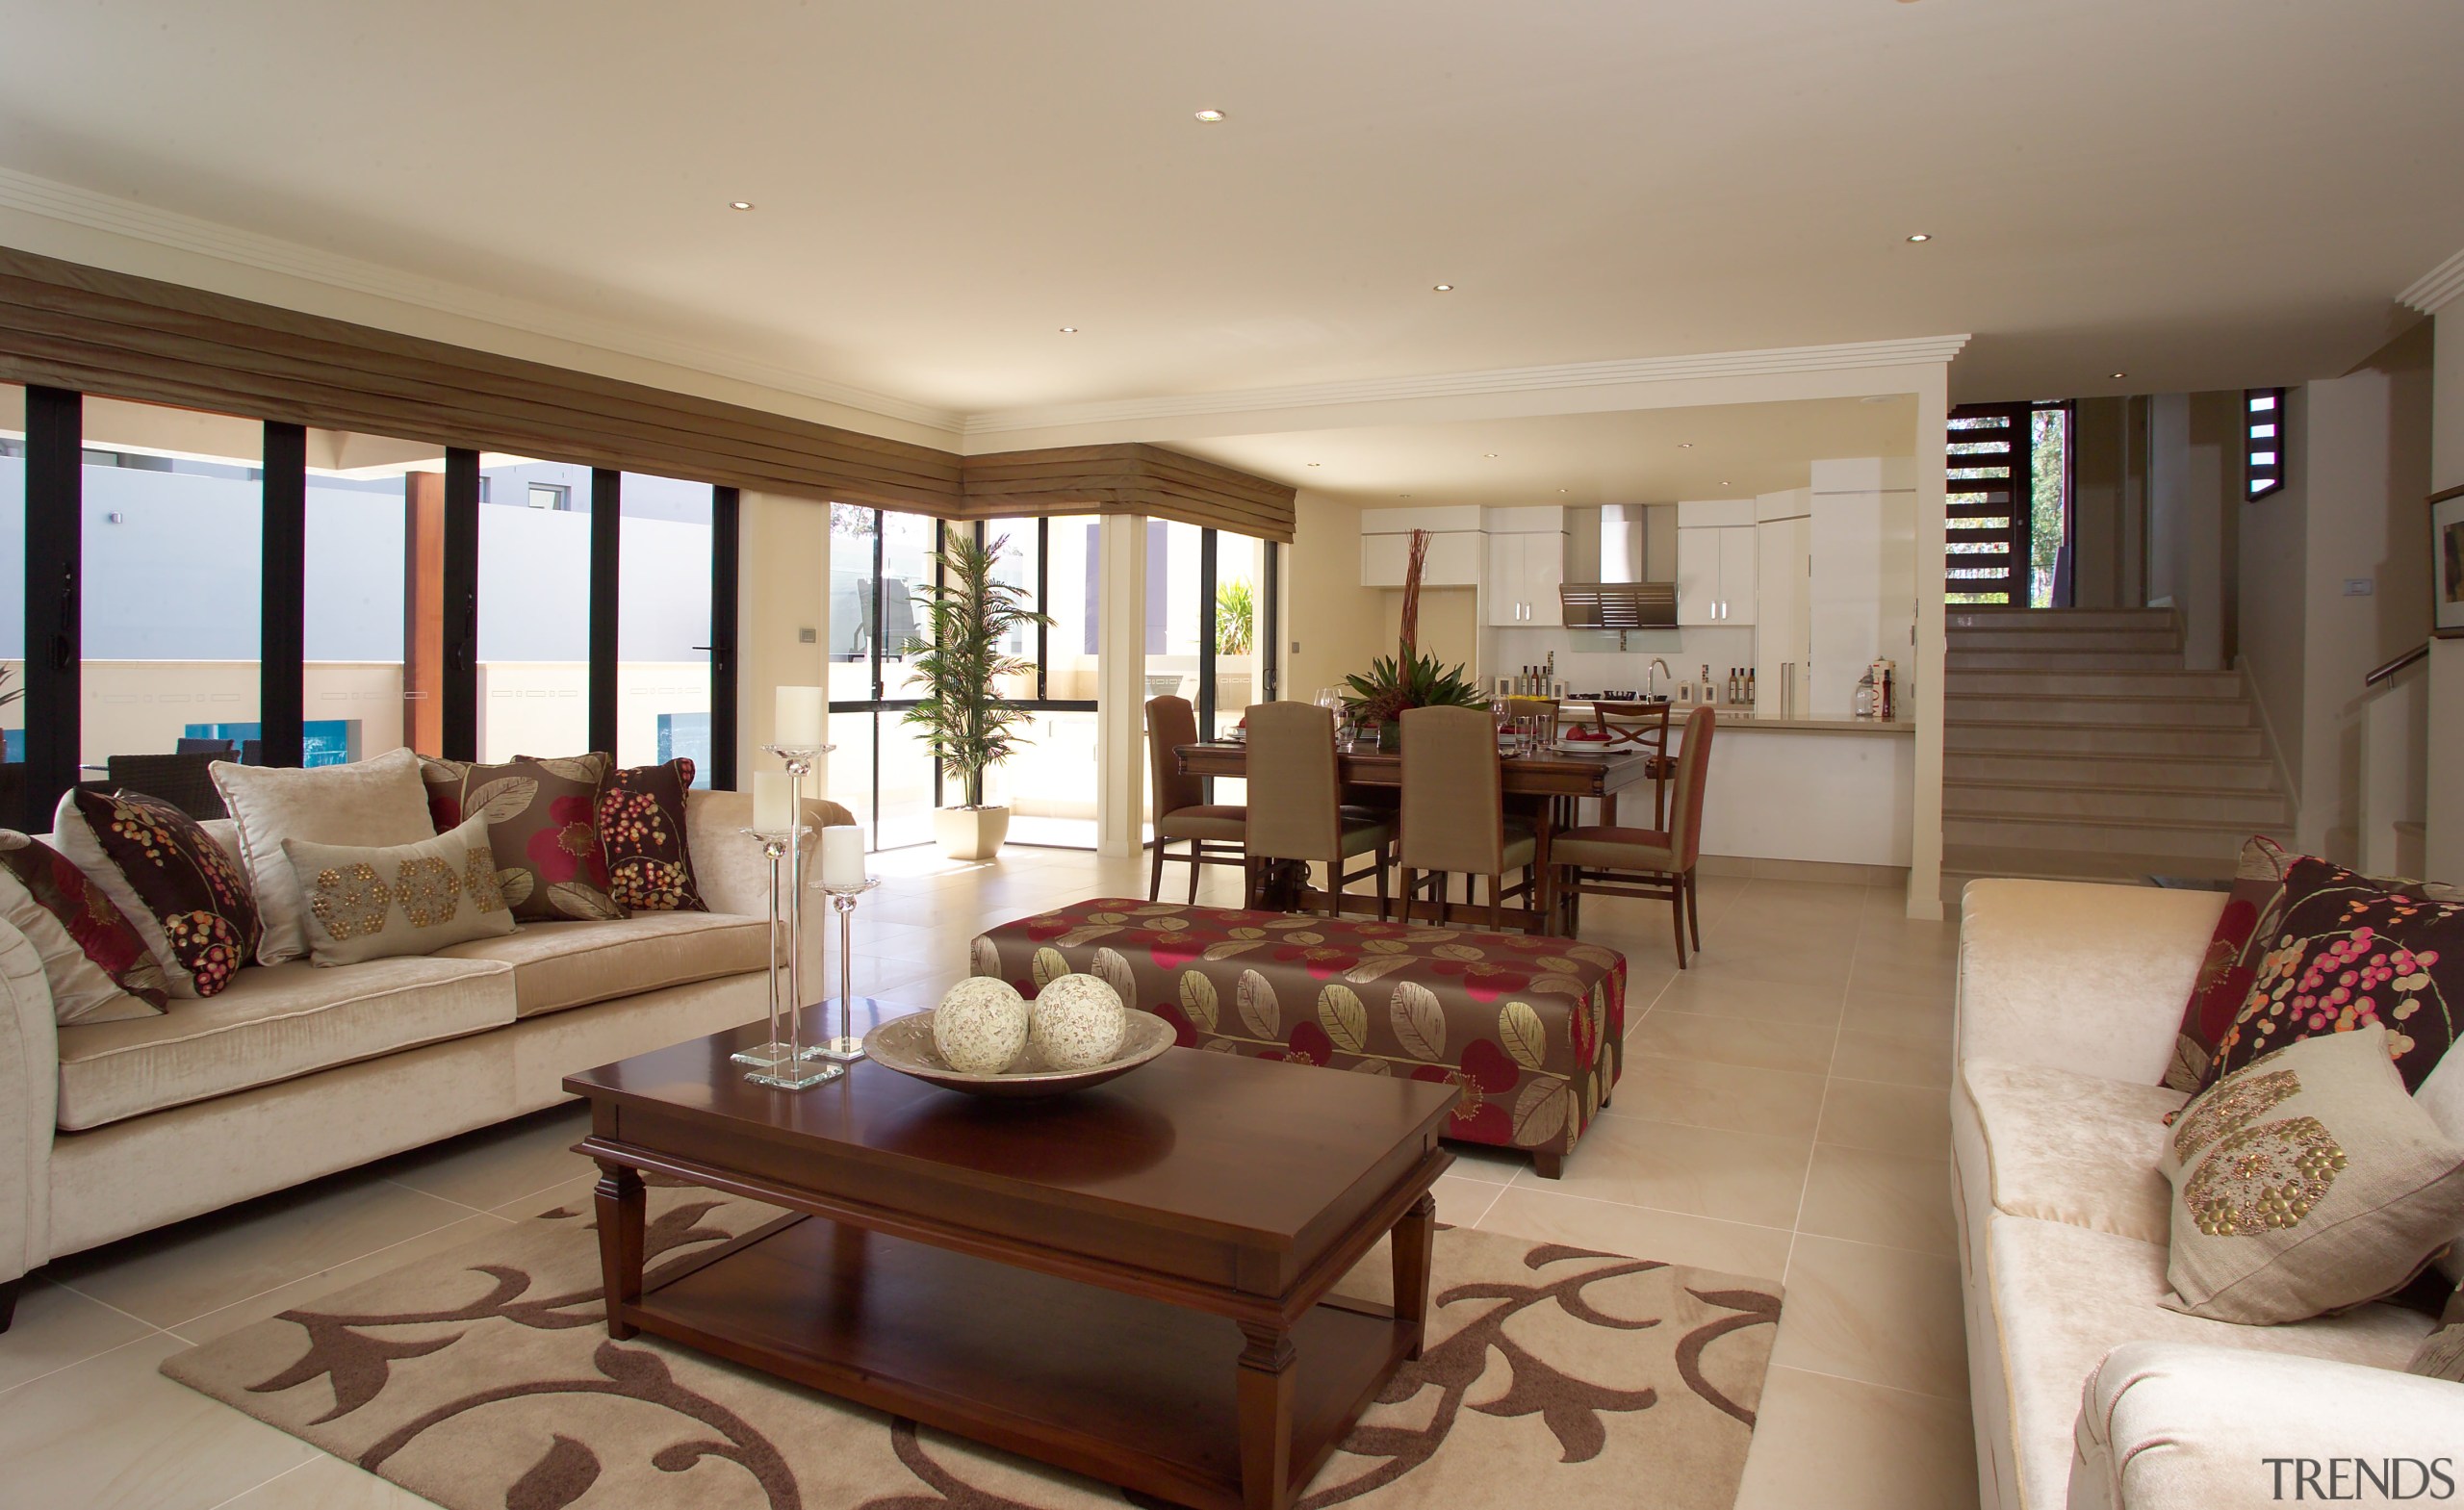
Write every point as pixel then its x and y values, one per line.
pixel 800 719
pixel 843 856
pixel 774 801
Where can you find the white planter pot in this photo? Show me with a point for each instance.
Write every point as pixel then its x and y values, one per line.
pixel 970 832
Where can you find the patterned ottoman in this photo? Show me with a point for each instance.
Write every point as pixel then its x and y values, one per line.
pixel 1528 1027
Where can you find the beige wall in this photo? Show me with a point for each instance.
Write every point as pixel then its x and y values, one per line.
pixel 784 589
pixel 2445 854
pixel 1337 623
pixel 2109 493
pixel 2274 577
pixel 1449 625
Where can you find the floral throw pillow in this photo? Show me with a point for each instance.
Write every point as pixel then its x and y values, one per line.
pixel 191 902
pixel 543 827
pixel 95 961
pixel 2338 952
pixel 2225 975
pixel 641 830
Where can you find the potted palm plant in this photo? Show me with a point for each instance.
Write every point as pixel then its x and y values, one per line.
pixel 1236 634
pixel 968 726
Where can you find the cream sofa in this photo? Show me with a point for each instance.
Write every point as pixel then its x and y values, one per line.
pixel 110 1128
pixel 2087 1391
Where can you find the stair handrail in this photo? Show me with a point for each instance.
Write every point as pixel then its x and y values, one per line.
pixel 2387 673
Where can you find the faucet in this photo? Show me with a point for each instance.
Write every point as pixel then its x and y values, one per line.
pixel 1652 674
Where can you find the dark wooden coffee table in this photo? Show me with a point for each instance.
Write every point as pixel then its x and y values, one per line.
pixel 1050 1277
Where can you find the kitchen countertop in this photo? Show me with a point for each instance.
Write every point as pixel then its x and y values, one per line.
pixel 1579 712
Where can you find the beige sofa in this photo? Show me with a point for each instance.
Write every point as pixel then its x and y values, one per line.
pixel 2087 1391
pixel 109 1128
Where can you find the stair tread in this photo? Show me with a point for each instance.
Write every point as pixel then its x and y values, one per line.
pixel 2134 789
pixel 2073 821
pixel 1989 860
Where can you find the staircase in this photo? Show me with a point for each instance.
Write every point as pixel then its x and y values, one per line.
pixel 2078 749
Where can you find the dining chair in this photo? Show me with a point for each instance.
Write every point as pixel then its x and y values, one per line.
pixel 1453 814
pixel 1215 830
pixel 1295 801
pixel 1657 863
pixel 1646 727
pixel 180 780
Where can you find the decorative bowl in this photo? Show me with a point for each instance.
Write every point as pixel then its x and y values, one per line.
pixel 905 1044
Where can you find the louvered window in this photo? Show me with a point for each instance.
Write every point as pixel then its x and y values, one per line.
pixel 2263 441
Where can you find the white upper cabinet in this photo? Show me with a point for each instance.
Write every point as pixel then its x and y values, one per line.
pixel 1524 571
pixel 1716 571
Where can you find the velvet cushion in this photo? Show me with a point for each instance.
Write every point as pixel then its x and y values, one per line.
pixel 543 826
pixel 2338 952
pixel 94 959
pixel 561 965
pixel 2225 975
pixel 641 831
pixel 369 903
pixel 377 802
pixel 2306 1183
pixel 182 891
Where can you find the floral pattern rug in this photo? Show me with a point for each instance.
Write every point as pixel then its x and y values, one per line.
pixel 484 1379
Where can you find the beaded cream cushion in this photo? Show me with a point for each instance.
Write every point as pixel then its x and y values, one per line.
pixel 2306 1181
pixel 404 899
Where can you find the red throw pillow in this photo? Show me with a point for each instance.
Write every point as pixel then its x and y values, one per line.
pixel 93 959
pixel 2341 951
pixel 641 830
pixel 2224 976
pixel 543 827
pixel 200 920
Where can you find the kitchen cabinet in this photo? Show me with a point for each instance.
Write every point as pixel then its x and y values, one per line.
pixel 1524 571
pixel 1715 573
pixel 1455 559
pixel 1784 602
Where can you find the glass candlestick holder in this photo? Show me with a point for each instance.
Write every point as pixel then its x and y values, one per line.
pixel 783 1059
pixel 849 1046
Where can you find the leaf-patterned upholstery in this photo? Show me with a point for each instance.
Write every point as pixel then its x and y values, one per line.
pixel 1528 1027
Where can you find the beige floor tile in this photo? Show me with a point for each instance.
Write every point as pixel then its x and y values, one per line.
pixel 113 1432
pixel 1462 1202
pixel 1896 1014
pixel 185 1270
pixel 56 1327
pixel 1752 1042
pixel 1703 1093
pixel 1910 1120
pixel 324 1282
pixel 327 1483
pixel 496 1164
pixel 1699 1171
pixel 1808 900
pixel 1491 1165
pixel 1731 1247
pixel 1885 1315
pixel 573 1195
pixel 1774 1001
pixel 1839 1445
pixel 1881 1198
pixel 1756 955
pixel 1899 1061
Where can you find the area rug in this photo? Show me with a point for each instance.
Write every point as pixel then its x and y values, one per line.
pixel 484 1379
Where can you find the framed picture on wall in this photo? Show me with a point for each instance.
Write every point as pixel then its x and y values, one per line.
pixel 2446 564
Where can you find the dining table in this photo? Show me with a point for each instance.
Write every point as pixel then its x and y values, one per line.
pixel 1543 785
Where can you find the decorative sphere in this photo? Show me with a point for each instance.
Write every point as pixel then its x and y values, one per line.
pixel 1078 1023
pixel 982 1025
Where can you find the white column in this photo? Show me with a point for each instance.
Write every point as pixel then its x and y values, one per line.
pixel 784 589
pixel 1120 666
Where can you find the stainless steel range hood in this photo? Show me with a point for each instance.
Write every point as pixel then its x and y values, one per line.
pixel 1618 605
pixel 1621 599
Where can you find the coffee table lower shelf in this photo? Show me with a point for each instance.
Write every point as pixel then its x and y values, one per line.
pixel 1130 1391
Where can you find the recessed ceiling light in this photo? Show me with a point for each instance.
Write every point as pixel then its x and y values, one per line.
pixel 1068 330
pixel 1561 489
pixel 1210 116
pixel 1491 455
pixel 740 204
pixel 1685 445
pixel 2121 375
pixel 1440 288
pixel 1314 463
pixel 1921 236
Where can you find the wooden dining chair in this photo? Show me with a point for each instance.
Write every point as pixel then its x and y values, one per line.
pixel 1216 832
pixel 1646 727
pixel 1453 814
pixel 1295 808
pixel 1643 862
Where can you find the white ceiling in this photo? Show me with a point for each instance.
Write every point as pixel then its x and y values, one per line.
pixel 2203 192
pixel 1635 456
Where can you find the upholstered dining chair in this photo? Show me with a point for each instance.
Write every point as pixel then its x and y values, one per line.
pixel 1295 801
pixel 1644 862
pixel 1214 830
pixel 1453 814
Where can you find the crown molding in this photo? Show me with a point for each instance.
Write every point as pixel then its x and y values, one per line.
pixel 2435 289
pixel 1914 351
pixel 169 228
